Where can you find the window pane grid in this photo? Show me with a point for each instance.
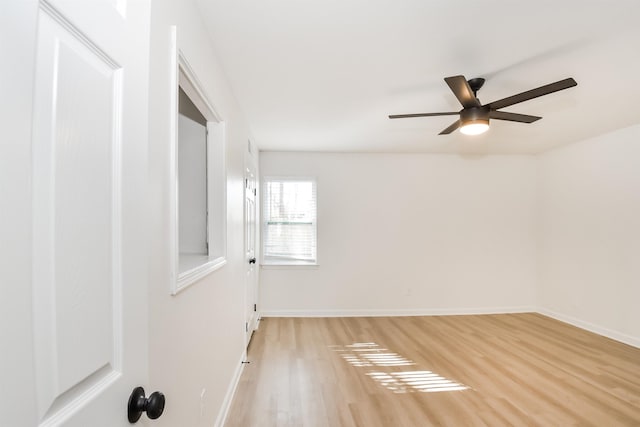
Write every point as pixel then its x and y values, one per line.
pixel 290 221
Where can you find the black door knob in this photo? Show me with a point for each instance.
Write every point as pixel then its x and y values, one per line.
pixel 138 403
pixel 252 261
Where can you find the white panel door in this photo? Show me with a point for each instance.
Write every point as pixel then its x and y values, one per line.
pixel 250 195
pixel 88 174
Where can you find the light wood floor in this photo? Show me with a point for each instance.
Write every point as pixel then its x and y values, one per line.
pixel 489 370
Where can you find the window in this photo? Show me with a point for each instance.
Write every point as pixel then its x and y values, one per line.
pixel 289 236
pixel 198 182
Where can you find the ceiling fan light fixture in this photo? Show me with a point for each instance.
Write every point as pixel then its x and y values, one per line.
pixel 474 120
pixel 475 127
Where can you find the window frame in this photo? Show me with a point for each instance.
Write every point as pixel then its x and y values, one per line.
pixel 277 264
pixel 216 176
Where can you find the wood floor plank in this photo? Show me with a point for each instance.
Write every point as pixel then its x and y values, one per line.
pixel 486 370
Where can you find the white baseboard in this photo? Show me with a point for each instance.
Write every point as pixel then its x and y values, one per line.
pixel 605 332
pixel 231 391
pixel 395 312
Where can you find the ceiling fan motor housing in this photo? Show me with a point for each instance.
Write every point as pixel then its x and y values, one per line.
pixel 473 115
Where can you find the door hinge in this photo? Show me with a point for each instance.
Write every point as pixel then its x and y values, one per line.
pixel 246 326
pixel 255 192
pixel 255 307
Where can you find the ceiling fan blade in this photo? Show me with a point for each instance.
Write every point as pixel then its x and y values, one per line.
pixel 533 93
pixel 512 117
pixel 406 116
pixel 455 125
pixel 462 91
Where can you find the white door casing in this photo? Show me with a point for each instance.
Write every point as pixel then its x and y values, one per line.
pixel 88 261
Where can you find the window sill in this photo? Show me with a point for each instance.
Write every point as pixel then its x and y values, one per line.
pixel 189 277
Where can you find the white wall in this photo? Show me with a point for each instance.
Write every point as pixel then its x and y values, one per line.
pixel 196 337
pixel 192 186
pixel 411 233
pixel 589 253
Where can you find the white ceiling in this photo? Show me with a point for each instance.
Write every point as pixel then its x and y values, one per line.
pixel 324 75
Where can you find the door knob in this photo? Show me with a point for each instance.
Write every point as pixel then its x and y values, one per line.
pixel 252 261
pixel 138 403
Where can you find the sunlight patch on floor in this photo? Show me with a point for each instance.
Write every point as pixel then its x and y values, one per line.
pixel 370 354
pixel 415 381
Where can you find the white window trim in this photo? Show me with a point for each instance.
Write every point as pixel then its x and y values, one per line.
pixel 184 76
pixel 287 265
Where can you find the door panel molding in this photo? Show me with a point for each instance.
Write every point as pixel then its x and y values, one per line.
pixel 77 248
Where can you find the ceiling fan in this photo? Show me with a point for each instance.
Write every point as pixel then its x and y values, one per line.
pixel 474 117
